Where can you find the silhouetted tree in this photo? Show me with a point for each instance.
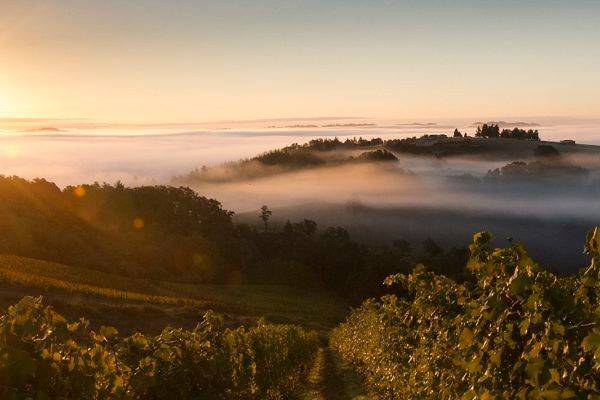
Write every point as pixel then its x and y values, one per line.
pixel 265 215
pixel 488 131
pixel 517 133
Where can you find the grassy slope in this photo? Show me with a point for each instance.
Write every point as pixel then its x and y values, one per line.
pixel 133 303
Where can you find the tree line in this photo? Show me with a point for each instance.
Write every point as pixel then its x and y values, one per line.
pixel 493 131
pixel 162 232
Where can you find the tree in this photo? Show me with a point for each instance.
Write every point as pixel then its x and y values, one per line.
pixel 488 131
pixel 457 133
pixel 308 226
pixel 522 134
pixel 265 215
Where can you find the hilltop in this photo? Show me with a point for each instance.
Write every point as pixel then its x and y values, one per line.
pixel 508 145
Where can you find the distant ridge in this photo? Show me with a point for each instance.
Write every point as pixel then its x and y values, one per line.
pixel 507 123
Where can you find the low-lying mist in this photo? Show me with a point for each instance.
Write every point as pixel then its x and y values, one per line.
pixel 445 198
pixel 420 197
pixel 430 184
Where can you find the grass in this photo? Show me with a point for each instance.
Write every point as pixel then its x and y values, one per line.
pixel 317 310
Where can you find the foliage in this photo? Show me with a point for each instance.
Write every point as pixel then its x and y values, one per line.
pixel 493 131
pixel 377 155
pixel 42 356
pixel 290 157
pixel 265 215
pixel 516 133
pixel 488 131
pixel 536 171
pixel 514 332
pixel 435 145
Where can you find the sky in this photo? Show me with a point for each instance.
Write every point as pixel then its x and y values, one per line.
pixel 188 61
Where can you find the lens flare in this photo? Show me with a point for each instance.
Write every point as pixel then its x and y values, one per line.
pixel 138 223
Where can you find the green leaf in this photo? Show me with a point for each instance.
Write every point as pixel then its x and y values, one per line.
pixel 466 336
pixel 591 341
pixel 519 282
pixel 593 241
pixel 534 367
pixel 108 331
pixel 524 326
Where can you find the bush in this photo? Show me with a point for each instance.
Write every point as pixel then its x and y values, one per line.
pixel 42 356
pixel 514 332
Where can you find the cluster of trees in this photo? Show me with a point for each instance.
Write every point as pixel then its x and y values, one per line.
pixel 536 171
pixel 290 157
pixel 514 331
pixel 377 155
pixel 294 158
pixel 304 154
pixel 438 148
pixel 43 356
pixel 298 253
pixel 488 131
pixel 151 231
pixel 162 232
pixel 493 131
pixel 333 144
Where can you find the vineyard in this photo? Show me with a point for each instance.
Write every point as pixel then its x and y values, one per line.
pixel 513 331
pixel 43 356
pixel 317 310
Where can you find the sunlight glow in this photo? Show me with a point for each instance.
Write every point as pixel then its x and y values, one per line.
pixel 79 191
pixel 138 223
pixel 5 109
pixel 10 151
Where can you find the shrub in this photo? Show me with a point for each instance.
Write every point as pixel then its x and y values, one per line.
pixel 514 332
pixel 42 356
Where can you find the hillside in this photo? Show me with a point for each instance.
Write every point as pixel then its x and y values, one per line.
pixel 129 302
pixel 320 153
pixel 315 154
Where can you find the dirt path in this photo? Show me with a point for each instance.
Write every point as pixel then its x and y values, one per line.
pixel 331 379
